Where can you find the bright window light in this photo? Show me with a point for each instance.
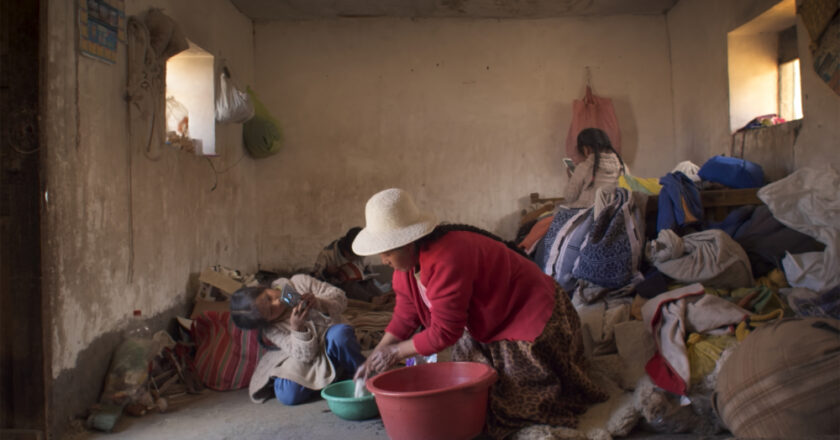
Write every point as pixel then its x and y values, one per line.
pixel 190 101
pixel 790 91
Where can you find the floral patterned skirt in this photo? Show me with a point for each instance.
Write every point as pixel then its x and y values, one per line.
pixel 540 382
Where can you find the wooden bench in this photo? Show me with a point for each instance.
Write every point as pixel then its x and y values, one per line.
pixel 717 203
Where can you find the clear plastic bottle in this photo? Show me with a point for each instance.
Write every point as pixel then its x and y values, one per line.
pixel 129 368
pixel 137 328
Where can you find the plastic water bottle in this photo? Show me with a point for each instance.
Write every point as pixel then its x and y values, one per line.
pixel 137 328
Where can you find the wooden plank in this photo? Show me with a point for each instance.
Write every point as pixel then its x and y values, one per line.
pixel 729 197
pixel 716 202
pixel 535 198
pixel 533 215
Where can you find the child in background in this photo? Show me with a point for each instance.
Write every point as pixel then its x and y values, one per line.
pixel 339 266
pixel 601 168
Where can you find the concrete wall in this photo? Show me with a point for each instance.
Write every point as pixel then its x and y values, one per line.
pixel 698 36
pixel 819 141
pixel 468 115
pixel 124 232
pixel 753 77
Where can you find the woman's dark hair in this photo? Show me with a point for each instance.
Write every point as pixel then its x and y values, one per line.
pixel 599 142
pixel 243 308
pixel 443 229
pixel 345 244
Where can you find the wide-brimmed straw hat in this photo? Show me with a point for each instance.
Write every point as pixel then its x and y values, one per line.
pixel 392 220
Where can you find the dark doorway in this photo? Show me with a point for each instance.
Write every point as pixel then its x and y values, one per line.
pixel 23 413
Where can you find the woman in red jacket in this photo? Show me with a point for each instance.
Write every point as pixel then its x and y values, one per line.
pixel 466 288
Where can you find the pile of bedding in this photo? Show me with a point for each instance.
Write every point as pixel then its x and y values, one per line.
pixel 662 314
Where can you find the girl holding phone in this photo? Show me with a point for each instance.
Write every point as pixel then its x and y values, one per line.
pixel 309 347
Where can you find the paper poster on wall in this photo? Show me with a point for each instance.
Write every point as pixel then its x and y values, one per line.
pixel 101 28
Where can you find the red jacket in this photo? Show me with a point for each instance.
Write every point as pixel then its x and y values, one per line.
pixel 472 282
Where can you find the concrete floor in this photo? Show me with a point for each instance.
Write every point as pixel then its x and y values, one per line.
pixel 231 415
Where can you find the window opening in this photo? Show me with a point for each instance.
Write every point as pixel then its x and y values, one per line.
pixel 764 76
pixel 190 101
pixel 790 91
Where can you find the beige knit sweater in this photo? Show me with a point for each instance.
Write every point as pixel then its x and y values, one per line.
pixel 301 356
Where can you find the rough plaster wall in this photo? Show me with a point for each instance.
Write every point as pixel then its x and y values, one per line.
pixel 753 77
pixel 468 115
pixel 180 225
pixel 699 63
pixel 698 30
pixel 818 143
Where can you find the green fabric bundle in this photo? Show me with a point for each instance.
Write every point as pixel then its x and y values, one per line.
pixel 261 134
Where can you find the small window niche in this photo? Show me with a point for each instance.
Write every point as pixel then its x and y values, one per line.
pixel 190 101
pixel 764 75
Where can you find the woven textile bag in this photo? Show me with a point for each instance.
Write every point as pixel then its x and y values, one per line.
pixel 225 355
pixel 549 247
pixel 611 252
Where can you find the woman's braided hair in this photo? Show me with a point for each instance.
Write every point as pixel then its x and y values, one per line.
pixel 599 142
pixel 443 229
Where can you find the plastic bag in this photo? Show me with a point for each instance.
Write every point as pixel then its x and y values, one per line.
pixel 177 118
pixel 233 105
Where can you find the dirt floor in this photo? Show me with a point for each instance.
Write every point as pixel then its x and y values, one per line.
pixel 232 415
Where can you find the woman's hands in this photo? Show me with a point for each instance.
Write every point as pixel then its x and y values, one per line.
pixel 380 360
pixel 387 353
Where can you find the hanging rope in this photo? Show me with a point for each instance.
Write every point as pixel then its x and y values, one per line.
pixel 145 81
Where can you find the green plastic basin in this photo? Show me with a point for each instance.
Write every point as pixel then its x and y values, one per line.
pixel 339 397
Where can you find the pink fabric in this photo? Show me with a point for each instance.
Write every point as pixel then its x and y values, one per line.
pixel 475 282
pixel 592 112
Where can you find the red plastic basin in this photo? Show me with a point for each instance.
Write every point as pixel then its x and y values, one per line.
pixel 441 401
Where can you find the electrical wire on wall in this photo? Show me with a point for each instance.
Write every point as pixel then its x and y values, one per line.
pixel 217 172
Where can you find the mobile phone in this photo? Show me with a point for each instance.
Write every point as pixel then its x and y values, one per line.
pixel 290 296
pixel 569 163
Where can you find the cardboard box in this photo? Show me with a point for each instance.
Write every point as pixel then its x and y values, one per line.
pixel 214 291
pixel 220 281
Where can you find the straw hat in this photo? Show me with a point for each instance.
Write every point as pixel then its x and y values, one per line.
pixel 392 220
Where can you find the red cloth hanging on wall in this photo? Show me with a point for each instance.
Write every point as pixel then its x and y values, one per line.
pixel 592 111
